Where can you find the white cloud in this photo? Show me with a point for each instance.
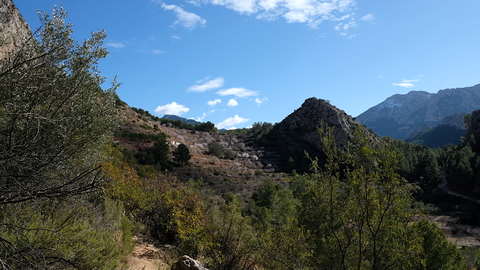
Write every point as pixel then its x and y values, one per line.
pixel 345 26
pixel 368 18
pixel 207 85
pixel 229 122
pixel 117 45
pixel 214 102
pixel 172 108
pixel 200 118
pixel 238 92
pixel 260 101
pixel 155 51
pixel 185 18
pixel 232 103
pixel 312 12
pixel 406 83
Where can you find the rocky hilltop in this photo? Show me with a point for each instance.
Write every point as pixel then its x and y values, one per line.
pixel 304 122
pixel 14 30
pixel 400 115
pixel 298 133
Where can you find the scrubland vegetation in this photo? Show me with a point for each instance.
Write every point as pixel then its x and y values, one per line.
pixel 72 199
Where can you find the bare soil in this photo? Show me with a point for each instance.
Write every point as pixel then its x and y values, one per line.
pixel 146 256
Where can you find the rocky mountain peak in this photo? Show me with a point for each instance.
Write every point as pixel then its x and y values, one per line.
pixel 305 121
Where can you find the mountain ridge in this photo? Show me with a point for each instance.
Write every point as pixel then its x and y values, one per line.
pixel 401 114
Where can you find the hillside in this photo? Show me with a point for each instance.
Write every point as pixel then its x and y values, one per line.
pixel 256 158
pixel 400 115
pixel 90 183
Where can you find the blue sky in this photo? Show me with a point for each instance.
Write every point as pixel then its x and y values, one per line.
pixel 236 62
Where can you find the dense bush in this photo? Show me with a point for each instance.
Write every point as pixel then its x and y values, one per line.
pixel 55 123
pixel 218 151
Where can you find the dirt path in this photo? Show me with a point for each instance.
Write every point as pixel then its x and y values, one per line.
pixel 443 186
pixel 147 257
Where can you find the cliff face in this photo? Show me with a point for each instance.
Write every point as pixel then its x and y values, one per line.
pixel 14 30
pixel 399 115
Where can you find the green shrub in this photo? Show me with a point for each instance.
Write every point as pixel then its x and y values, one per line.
pixel 65 234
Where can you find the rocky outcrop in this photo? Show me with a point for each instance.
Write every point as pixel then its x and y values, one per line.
pixel 14 30
pixel 187 263
pixel 305 121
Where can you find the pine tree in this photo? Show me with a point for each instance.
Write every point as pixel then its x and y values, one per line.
pixel 182 154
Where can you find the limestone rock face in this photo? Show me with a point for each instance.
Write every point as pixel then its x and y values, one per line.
pixel 187 263
pixel 305 121
pixel 14 30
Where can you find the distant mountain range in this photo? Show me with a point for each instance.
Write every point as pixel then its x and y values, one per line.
pixel 175 117
pixel 405 116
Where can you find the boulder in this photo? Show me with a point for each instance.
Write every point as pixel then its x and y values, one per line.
pixel 187 263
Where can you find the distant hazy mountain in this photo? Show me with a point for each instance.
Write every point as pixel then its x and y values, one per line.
pixel 402 115
pixel 175 117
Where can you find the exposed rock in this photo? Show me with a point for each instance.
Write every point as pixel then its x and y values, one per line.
pixel 305 121
pixel 14 30
pixel 187 263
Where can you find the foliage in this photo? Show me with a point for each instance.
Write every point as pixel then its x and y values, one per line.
pixel 55 121
pixel 206 127
pixel 438 253
pixel 156 155
pixel 361 216
pixel 54 115
pixel 218 151
pixel 64 234
pixel 260 129
pixel 233 238
pixel 420 165
pixel 140 136
pixel 353 213
pixel 182 154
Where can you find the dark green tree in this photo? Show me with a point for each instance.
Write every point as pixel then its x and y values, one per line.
pixel 206 127
pixel 182 154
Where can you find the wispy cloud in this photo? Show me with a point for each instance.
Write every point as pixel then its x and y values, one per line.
pixel 260 101
pixel 172 108
pixel 232 103
pixel 368 18
pixel 200 118
pixel 344 26
pixel 205 85
pixel 116 45
pixel 406 83
pixel 214 102
pixel 155 51
pixel 238 92
pixel 311 12
pixel 184 18
pixel 229 122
